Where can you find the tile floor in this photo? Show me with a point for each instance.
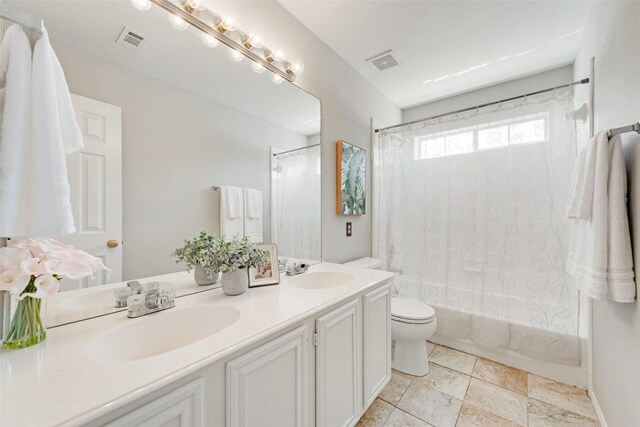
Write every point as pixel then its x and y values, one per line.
pixel 463 390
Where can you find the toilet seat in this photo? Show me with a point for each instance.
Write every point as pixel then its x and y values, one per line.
pixel 410 311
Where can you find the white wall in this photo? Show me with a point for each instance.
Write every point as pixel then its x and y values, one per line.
pixel 348 103
pixel 176 145
pixel 517 87
pixel 611 36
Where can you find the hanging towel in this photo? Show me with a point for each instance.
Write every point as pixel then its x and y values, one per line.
pixel 253 215
pixel 600 256
pixel 54 133
pixel 15 99
pixel 231 211
pixel 581 193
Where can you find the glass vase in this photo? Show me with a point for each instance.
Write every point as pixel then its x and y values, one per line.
pixel 27 326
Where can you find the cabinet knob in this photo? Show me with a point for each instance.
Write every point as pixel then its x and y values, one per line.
pixel 112 243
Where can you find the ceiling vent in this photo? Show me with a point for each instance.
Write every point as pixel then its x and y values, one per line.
pixel 385 60
pixel 130 39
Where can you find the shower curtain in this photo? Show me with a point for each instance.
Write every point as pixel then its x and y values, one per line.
pixel 468 213
pixel 296 178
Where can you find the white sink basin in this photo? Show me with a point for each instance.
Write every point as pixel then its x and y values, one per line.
pixel 162 332
pixel 320 280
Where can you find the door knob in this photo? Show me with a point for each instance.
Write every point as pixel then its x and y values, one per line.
pixel 112 243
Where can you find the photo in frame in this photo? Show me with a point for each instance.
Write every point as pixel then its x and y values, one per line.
pixel 268 274
pixel 350 179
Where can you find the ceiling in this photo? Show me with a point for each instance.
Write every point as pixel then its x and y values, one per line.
pixel 446 47
pixel 177 58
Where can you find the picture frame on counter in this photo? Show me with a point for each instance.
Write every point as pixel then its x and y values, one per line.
pixel 268 274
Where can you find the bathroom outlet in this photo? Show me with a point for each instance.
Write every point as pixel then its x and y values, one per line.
pixel 348 229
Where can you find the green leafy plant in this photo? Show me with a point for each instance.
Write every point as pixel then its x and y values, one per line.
pixel 236 253
pixel 202 250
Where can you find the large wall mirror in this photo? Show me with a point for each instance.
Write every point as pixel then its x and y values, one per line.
pixel 164 122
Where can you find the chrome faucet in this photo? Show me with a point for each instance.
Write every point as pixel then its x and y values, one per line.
pixel 149 299
pixel 294 269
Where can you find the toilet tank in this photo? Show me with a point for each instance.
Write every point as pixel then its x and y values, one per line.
pixel 371 263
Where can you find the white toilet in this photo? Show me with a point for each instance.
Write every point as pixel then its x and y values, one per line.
pixel 412 323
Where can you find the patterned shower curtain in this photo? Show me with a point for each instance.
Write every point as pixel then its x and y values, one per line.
pixel 469 214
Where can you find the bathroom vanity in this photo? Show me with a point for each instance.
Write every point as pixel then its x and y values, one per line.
pixel 314 350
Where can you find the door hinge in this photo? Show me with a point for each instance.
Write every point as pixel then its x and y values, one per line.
pixel 315 338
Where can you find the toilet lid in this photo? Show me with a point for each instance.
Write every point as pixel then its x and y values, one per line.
pixel 407 309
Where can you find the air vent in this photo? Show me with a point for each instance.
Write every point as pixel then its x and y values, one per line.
pixel 385 60
pixel 130 39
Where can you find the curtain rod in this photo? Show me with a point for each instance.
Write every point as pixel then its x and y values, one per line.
pixel 579 82
pixel 26 21
pixel 295 149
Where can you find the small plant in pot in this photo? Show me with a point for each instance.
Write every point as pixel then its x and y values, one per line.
pixel 201 254
pixel 236 256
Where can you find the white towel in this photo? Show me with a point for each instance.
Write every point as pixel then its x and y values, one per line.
pixel 600 256
pixel 54 133
pixel 253 215
pixel 231 211
pixel 581 193
pixel 15 71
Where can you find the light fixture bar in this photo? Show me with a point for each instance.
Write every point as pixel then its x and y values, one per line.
pixel 228 41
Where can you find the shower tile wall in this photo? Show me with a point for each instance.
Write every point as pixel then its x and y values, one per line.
pixel 463 390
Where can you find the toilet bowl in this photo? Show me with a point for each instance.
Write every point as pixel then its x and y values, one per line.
pixel 412 323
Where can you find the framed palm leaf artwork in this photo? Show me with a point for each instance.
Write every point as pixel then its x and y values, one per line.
pixel 351 179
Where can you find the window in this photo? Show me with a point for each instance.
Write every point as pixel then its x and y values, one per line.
pixel 525 130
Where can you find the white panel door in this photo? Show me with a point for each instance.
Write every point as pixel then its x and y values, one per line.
pixel 376 331
pixel 268 387
pixel 339 367
pixel 95 176
pixel 183 407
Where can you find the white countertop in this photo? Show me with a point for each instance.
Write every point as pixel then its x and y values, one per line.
pixel 56 383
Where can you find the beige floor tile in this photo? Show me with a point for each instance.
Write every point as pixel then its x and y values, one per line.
pixel 430 405
pixel 430 347
pixel 400 418
pixel 446 380
pixel 376 415
pixel 396 387
pixel 542 414
pixel 470 416
pixel 564 396
pixel 453 359
pixel 497 400
pixel 501 375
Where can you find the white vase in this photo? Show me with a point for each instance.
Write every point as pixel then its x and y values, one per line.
pixel 235 282
pixel 202 278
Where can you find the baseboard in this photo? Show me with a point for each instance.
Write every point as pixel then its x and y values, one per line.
pixel 599 413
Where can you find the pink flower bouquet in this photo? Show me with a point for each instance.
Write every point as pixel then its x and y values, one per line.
pixel 31 270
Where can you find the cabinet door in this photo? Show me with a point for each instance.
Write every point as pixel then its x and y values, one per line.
pixel 376 342
pixel 338 367
pixel 268 386
pixel 179 408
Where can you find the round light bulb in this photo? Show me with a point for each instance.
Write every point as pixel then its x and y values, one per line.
pixel 230 23
pixel 141 4
pixel 297 67
pixel 277 79
pixel 257 67
pixel 209 40
pixel 178 23
pixel 197 4
pixel 277 55
pixel 235 55
pixel 256 41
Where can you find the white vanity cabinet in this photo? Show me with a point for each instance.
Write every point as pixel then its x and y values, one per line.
pixel 353 358
pixel 339 366
pixel 269 385
pixel 376 326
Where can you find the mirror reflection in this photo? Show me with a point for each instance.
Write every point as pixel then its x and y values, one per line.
pixel 166 118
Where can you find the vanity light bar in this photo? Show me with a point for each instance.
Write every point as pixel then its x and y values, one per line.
pixel 268 62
